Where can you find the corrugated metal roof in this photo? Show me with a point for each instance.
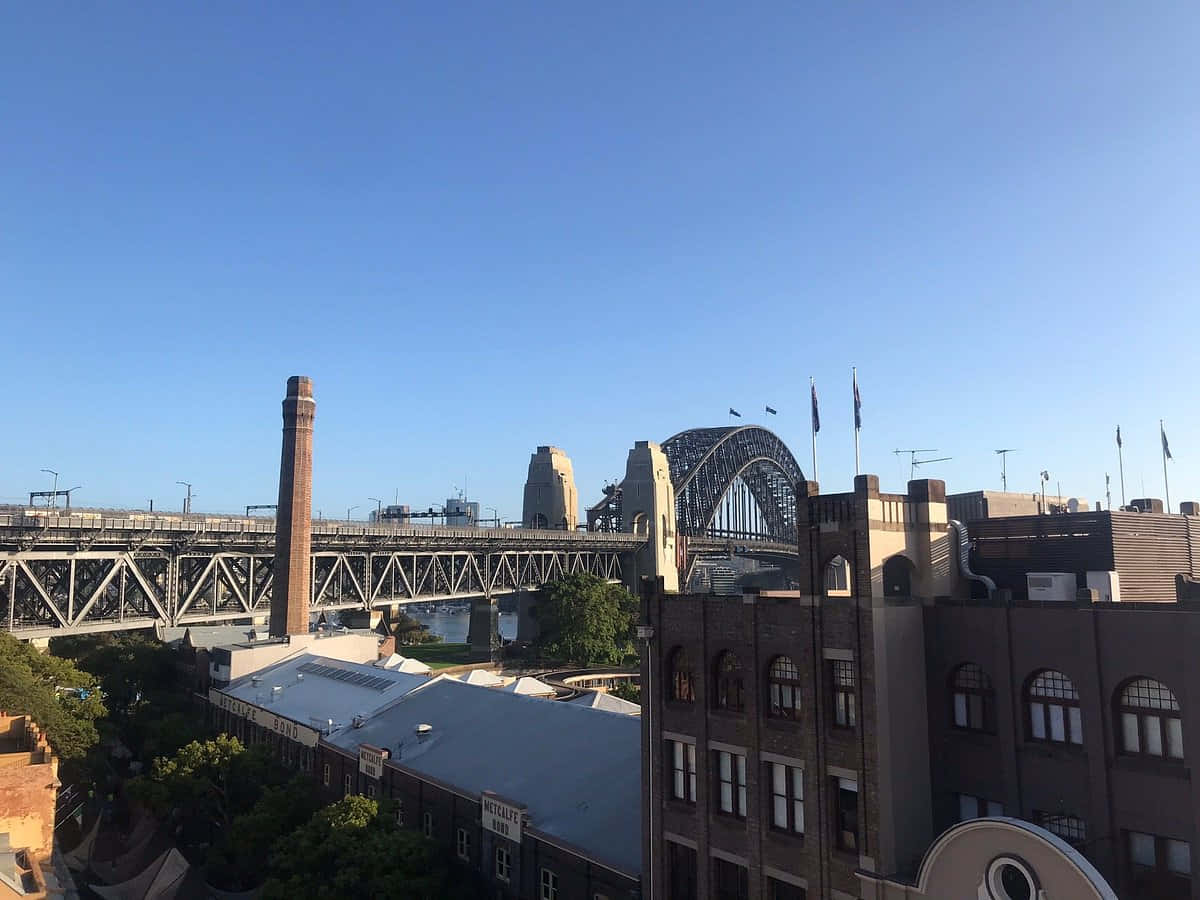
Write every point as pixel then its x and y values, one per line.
pixel 577 770
pixel 319 695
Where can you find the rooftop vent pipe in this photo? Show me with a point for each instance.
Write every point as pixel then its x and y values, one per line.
pixel 964 561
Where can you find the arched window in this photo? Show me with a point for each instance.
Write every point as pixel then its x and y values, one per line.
pixel 683 677
pixel 730 693
pixel 783 687
pixel 1150 722
pixel 972 699
pixel 837 577
pixel 1053 705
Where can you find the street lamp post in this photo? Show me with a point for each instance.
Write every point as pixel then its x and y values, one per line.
pixel 187 503
pixel 495 515
pixel 378 509
pixel 350 509
pixel 54 489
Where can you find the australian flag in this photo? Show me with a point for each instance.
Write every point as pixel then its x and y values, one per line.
pixel 1118 437
pixel 1166 447
pixel 734 412
pixel 816 413
pixel 857 406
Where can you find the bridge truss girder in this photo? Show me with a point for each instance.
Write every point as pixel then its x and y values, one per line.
pixel 54 592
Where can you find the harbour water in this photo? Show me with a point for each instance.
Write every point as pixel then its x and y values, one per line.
pixel 453 628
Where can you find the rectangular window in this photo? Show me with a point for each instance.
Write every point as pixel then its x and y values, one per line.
pixel 1129 733
pixel 972 807
pixel 845 813
pixel 370 792
pixel 1037 719
pixel 681 872
pixel 400 812
pixel 427 824
pixel 503 863
pixel 841 676
pixel 462 844
pixel 732 881
pixel 347 783
pixel 787 798
pixel 731 783
pixel 781 890
pixel 1179 857
pixel 549 885
pixel 683 770
pixel 960 711
pixel 1175 738
pixel 325 775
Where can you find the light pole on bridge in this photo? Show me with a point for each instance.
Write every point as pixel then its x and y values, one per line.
pixel 54 490
pixel 187 503
pixel 350 509
pixel 378 509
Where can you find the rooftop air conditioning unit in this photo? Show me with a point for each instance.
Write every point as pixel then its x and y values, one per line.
pixel 256 679
pixel 1051 587
pixel 1108 584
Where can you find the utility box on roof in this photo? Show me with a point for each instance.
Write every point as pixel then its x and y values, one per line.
pixel 1051 587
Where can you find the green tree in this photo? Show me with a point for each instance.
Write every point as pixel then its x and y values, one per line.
pixel 584 619
pixel 208 782
pixel 627 690
pixel 64 701
pixel 350 849
pixel 237 862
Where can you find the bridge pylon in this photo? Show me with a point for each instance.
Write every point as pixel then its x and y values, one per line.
pixel 648 508
pixel 551 500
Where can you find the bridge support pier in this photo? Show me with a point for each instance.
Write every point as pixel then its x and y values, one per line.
pixel 527 626
pixel 483 634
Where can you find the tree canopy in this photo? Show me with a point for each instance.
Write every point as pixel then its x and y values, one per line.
pixel 210 782
pixel 353 849
pixel 238 861
pixel 64 701
pixel 584 619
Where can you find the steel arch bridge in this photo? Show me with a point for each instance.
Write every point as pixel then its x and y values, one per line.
pixel 732 484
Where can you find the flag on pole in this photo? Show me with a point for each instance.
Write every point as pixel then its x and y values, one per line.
pixel 857 405
pixel 1166 447
pixel 734 412
pixel 771 411
pixel 816 414
pixel 1118 437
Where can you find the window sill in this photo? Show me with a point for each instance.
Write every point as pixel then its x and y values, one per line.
pixel 792 837
pixel 680 704
pixel 784 721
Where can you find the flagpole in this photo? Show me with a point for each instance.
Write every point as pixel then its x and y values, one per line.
pixel 813 427
pixel 857 458
pixel 1162 439
pixel 1121 465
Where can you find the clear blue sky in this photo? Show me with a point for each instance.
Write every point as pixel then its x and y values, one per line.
pixel 491 226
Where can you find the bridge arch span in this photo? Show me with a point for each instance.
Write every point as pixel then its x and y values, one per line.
pixel 707 463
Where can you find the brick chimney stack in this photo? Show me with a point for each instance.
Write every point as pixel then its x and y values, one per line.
pixel 293 519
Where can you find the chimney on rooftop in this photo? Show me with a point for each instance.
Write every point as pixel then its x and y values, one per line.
pixel 293 522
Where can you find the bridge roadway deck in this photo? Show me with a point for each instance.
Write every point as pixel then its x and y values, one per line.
pixel 101 571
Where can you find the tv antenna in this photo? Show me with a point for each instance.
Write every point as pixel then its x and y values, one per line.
pixel 1004 465
pixel 913 462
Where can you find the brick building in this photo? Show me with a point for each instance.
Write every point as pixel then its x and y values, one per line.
pixel 535 799
pixel 817 743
